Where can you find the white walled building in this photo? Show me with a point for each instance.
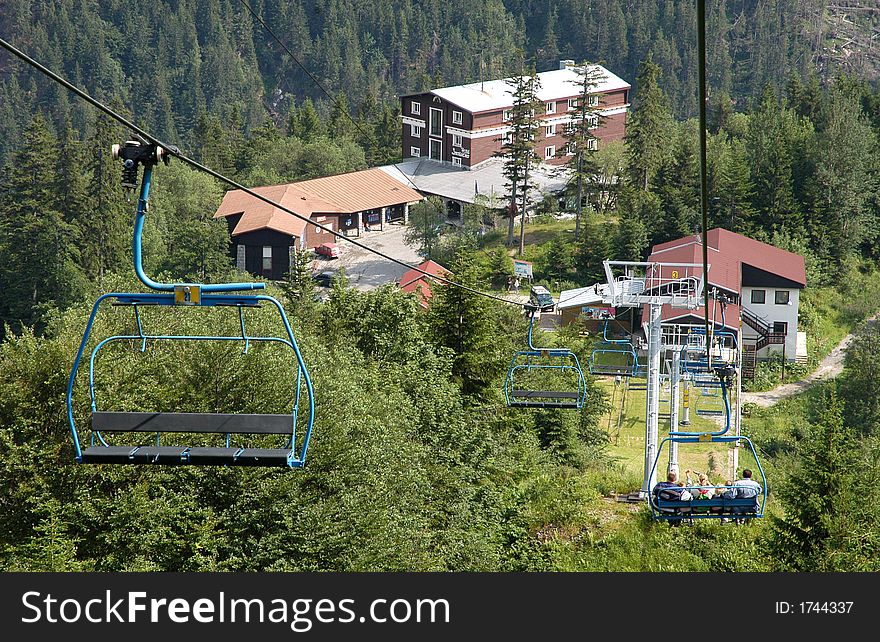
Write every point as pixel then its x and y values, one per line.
pixel 762 283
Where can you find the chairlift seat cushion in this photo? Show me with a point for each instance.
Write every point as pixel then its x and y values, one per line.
pixel 546 394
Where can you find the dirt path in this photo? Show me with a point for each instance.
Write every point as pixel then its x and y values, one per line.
pixel 830 367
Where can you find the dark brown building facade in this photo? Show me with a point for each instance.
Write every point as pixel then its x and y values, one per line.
pixel 465 125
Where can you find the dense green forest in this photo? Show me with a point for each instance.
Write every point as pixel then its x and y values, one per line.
pixel 415 462
pixel 175 63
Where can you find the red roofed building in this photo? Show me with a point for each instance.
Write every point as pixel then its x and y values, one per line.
pixel 415 281
pixel 263 235
pixel 761 281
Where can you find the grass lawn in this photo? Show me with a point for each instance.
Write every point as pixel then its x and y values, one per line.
pixel 551 230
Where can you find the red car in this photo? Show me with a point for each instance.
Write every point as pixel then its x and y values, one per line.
pixel 330 250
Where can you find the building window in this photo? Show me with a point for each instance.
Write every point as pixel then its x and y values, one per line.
pixel 550 107
pixel 593 101
pixel 759 296
pixel 457 118
pixel 416 131
pixel 550 130
pixel 781 327
pixel 592 121
pixel 569 149
pixel 456 140
pixel 456 161
pixel 416 108
pixel 593 144
pixel 415 151
pixel 508 114
pixel 550 151
pixel 572 103
pixel 240 257
pixel 436 122
pixel 267 258
pixel 435 151
pixel 507 138
pixel 782 297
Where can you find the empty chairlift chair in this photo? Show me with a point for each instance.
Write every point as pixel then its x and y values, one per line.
pixel 615 357
pixel 176 438
pixel 544 377
pixel 710 402
pixel 724 352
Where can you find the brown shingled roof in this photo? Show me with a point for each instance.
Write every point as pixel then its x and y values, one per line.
pixel 345 193
pixel 727 252
pixel 416 281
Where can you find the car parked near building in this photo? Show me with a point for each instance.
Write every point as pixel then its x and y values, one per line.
pixel 325 278
pixel 329 250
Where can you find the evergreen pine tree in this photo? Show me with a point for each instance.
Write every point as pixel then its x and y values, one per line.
pixel 594 248
pixel 813 493
pixel 37 247
pixel 648 127
pixel 845 178
pixel 308 124
pixel 733 190
pixel 771 162
pixel 341 123
pixel 581 142
pixel 464 323
pixel 518 145
pixel 105 227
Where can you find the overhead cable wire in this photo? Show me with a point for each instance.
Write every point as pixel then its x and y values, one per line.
pixel 176 153
pixel 704 183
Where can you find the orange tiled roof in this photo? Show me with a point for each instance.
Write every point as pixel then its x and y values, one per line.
pixel 415 281
pixel 345 193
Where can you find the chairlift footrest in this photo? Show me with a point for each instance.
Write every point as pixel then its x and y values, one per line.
pixel 265 457
pixel 543 404
pixel 163 455
pixel 108 455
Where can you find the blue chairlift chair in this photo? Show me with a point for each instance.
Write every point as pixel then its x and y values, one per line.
pixel 615 357
pixel 666 504
pixel 539 365
pixel 242 435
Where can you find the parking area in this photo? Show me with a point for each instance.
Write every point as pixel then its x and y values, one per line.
pixel 365 270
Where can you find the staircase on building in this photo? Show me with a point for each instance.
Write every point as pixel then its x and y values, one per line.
pixel 766 337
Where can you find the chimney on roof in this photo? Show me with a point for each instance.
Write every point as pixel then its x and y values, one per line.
pixel 566 64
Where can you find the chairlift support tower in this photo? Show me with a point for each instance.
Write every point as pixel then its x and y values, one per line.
pixel 653 284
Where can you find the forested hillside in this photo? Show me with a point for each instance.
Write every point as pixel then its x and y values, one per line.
pixel 416 462
pixel 176 62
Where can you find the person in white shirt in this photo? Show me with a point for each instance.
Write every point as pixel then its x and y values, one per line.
pixel 747 488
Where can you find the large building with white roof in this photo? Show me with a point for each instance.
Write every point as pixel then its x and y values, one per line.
pixel 464 125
